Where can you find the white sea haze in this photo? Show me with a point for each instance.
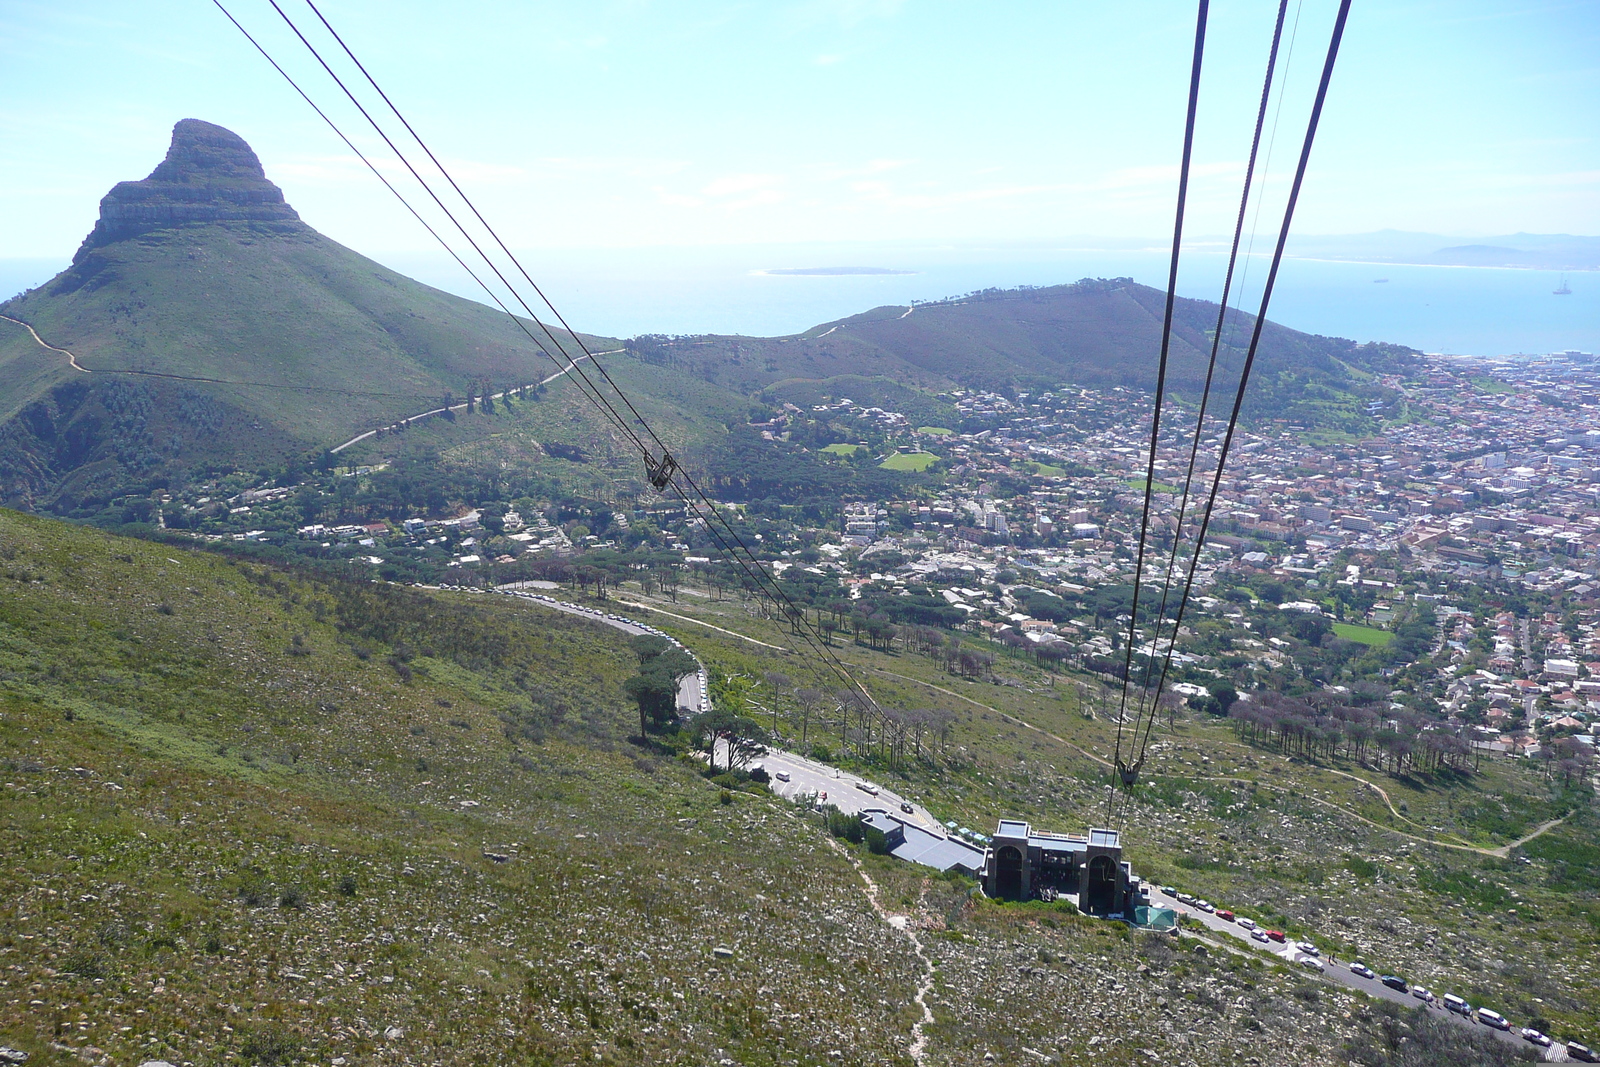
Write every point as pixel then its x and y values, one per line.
pixel 621 292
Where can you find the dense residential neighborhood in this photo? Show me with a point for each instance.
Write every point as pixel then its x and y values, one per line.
pixel 1445 562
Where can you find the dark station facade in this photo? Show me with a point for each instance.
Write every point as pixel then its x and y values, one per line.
pixel 1027 864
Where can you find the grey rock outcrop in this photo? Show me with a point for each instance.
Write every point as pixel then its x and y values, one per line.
pixel 210 175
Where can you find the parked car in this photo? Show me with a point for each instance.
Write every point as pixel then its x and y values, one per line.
pixel 1205 906
pixel 1259 935
pixel 782 776
pixel 1308 948
pixel 1456 1004
pixel 1581 1053
pixel 1170 891
pixel 1248 924
pixel 1277 935
pixel 1530 1034
pixel 1361 969
pixel 1225 916
pixel 1422 993
pixel 1185 898
pixel 1311 963
pixel 1493 1018
pixel 867 788
pixel 1395 982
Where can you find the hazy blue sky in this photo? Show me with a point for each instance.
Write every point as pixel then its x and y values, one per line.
pixel 627 123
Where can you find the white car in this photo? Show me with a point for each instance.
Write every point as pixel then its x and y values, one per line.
pixel 1205 906
pixel 1530 1034
pixel 1362 969
pixel 1311 963
pixel 1246 924
pixel 1308 948
pixel 867 788
pixel 1422 993
pixel 1493 1018
pixel 1259 935
pixel 782 776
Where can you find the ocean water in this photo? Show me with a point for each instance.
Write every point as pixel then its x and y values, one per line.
pixel 723 289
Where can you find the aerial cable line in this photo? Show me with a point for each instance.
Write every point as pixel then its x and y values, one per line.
pixel 376 173
pixel 662 472
pixel 1211 368
pixel 572 366
pixel 1122 771
pixel 1261 318
pixel 387 184
pixel 666 463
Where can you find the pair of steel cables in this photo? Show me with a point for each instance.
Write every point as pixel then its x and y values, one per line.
pixel 661 467
pixel 1127 771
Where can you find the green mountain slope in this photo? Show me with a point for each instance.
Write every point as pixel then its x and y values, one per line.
pixel 306 811
pixel 259 816
pixel 201 271
pixel 1094 333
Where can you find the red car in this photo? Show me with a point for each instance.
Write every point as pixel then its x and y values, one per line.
pixel 1276 935
pixel 1225 916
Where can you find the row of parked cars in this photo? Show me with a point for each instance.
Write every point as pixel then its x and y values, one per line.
pixel 1311 959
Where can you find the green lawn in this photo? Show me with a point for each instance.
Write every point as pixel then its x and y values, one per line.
pixel 1366 635
pixel 842 449
pixel 937 431
pixel 1160 487
pixel 910 461
pixel 1045 469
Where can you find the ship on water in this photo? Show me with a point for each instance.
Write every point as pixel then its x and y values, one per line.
pixel 1563 289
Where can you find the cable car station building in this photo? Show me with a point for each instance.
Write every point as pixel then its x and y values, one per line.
pixel 1026 864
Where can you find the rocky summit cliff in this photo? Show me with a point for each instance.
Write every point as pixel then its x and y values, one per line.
pixel 210 175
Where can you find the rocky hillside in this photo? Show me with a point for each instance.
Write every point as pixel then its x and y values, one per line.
pixel 261 816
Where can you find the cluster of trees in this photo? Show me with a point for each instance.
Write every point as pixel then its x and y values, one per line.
pixel 743 466
pixel 654 689
pixel 1328 725
pixel 1570 758
pixel 885 734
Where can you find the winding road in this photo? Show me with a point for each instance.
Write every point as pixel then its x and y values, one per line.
pixel 71 359
pixel 461 406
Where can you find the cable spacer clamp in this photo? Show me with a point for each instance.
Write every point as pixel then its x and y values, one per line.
pixel 1128 775
pixel 660 474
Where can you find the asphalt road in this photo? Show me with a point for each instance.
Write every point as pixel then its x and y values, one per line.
pixel 836 787
pixel 1339 971
pixel 691 690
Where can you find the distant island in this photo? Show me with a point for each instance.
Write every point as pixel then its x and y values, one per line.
pixel 1525 251
pixel 831 272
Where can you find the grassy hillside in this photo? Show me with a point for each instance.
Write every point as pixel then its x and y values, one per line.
pixel 253 813
pixel 263 817
pixel 1425 883
pixel 332 343
pixel 1097 333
